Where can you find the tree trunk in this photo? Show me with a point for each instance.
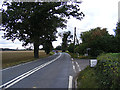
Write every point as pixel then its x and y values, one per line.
pixel 36 50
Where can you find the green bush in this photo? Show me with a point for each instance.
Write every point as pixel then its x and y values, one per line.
pixel 108 70
pixel 87 79
pixel 51 53
pixel 67 51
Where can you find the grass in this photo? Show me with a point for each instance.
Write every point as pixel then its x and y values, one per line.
pixel 105 75
pixel 11 58
pixel 87 79
pixel 81 56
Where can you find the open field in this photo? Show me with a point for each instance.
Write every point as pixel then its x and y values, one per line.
pixel 10 58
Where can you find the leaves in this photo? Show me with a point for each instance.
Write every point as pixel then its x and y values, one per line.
pixel 32 22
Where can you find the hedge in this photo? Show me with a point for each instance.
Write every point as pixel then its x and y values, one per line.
pixel 108 70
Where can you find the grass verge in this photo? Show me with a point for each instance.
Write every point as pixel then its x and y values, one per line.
pixel 81 56
pixel 87 79
pixel 11 58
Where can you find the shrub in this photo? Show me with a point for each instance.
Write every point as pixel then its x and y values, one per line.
pixel 108 70
pixel 51 53
pixel 67 51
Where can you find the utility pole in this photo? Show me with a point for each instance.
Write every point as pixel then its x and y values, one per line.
pixel 74 42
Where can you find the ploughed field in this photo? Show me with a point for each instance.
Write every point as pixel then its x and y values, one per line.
pixel 10 58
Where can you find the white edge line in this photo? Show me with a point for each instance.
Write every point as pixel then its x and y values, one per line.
pixel 74 68
pixel 27 74
pixel 70 83
pixel 78 66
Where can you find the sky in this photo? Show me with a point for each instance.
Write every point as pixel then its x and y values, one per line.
pixel 98 13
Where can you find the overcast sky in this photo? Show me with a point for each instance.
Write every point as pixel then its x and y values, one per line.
pixel 98 13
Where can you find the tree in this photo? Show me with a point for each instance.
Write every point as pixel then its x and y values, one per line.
pixel 117 36
pixel 98 40
pixel 34 22
pixel 117 31
pixel 58 48
pixel 81 49
pixel 70 48
pixel 47 46
pixel 66 38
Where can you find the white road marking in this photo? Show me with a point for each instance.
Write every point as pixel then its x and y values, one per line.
pixel 17 79
pixel 78 66
pixel 72 62
pixel 74 68
pixel 19 65
pixel 70 83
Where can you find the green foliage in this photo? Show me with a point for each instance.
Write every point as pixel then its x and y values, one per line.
pixel 117 31
pixel 70 48
pixel 73 55
pixel 91 35
pixel 87 79
pixel 65 40
pixel 108 70
pixel 117 36
pixel 36 22
pixel 99 41
pixel 47 46
pixel 58 48
pixel 81 49
pixel 67 51
pixel 86 57
pixel 51 53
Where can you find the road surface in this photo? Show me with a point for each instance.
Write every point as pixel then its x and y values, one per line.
pixel 57 71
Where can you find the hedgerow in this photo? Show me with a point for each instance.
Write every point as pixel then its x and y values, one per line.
pixel 108 70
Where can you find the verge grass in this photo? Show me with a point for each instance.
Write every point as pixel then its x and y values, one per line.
pixel 87 79
pixel 11 58
pixel 106 74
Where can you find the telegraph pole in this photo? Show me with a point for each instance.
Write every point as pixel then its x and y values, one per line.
pixel 74 42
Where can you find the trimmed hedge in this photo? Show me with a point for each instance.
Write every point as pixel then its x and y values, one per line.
pixel 108 70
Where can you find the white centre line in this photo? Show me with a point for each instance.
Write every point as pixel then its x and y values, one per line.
pixel 70 83
pixel 17 79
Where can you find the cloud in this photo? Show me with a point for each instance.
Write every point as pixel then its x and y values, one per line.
pixel 98 13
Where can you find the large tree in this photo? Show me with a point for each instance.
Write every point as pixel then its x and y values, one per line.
pixel 117 31
pixel 117 36
pixel 98 40
pixel 36 22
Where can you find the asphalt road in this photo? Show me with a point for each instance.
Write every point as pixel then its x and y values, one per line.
pixel 57 71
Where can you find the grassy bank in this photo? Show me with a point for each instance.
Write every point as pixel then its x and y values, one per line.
pixel 87 79
pixel 106 74
pixel 10 58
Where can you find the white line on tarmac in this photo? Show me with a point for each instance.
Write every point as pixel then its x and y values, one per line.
pixel 70 83
pixel 74 68
pixel 78 66
pixel 17 79
pixel 18 65
pixel 72 62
